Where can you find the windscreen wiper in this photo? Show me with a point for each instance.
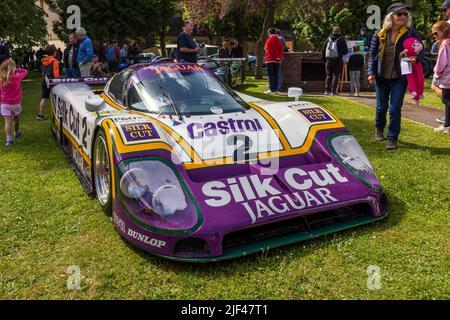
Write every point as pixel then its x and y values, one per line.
pixel 166 95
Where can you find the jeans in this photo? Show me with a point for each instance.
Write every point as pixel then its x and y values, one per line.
pixel 280 80
pixel 355 81
pixel 390 96
pixel 72 73
pixel 446 101
pixel 334 69
pixel 273 72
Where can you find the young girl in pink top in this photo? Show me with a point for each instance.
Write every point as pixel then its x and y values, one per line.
pixel 441 32
pixel 11 98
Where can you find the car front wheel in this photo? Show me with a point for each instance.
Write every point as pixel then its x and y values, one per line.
pixel 102 173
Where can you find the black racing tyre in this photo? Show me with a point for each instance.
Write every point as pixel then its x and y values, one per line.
pixel 102 172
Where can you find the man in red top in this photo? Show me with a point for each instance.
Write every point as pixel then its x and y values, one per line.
pixel 274 54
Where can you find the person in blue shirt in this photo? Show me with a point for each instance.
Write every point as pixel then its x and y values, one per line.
pixel 85 53
pixel 187 49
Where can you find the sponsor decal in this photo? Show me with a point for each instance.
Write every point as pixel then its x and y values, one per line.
pixel 265 196
pixel 316 115
pixel 177 68
pixel 216 110
pixel 119 223
pixel 145 239
pixel 199 130
pixel 139 132
pixel 90 80
pixel 176 123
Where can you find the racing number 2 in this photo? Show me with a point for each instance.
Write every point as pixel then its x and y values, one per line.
pixel 243 144
pixel 85 132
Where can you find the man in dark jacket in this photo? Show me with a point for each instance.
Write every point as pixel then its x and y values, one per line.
pixel 333 51
pixel 4 51
pixel 71 68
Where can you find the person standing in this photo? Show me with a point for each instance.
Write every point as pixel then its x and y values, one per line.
pixel 274 55
pixel 441 32
pixel 113 56
pixel 285 49
pixel 187 49
pixel 365 38
pixel 224 53
pixel 355 66
pixel 50 69
pixel 237 51
pixel 124 53
pixel 85 53
pixel 71 68
pixel 11 98
pixel 385 71
pixel 333 51
pixel 4 51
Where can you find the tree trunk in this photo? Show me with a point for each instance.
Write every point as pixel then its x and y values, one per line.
pixel 162 42
pixel 268 22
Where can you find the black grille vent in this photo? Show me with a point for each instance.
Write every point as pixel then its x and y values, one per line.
pixel 305 224
pixel 192 247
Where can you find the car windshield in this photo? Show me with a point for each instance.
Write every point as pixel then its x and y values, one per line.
pixel 183 91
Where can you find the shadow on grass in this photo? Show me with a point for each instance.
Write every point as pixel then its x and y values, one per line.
pixel 270 257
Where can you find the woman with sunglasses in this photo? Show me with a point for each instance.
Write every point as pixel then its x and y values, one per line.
pixel 441 33
pixel 385 70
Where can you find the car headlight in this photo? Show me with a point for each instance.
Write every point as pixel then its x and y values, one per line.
pixel 348 151
pixel 133 183
pixel 154 195
pixel 168 199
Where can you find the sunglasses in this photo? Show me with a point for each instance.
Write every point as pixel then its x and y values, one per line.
pixel 399 14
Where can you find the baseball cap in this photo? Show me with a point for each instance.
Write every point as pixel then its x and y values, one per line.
pixel 445 5
pixel 398 6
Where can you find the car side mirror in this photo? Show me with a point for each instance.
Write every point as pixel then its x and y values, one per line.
pixel 295 93
pixel 95 103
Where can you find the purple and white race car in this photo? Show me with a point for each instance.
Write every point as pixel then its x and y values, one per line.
pixel 193 171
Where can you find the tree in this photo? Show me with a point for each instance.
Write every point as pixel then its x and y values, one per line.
pixel 116 19
pixel 22 23
pixel 243 10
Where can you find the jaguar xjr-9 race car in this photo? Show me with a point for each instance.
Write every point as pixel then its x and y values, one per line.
pixel 190 170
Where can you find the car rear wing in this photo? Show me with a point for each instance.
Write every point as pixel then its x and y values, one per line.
pixel 90 81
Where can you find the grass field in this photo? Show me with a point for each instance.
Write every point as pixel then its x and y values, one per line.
pixel 431 99
pixel 47 224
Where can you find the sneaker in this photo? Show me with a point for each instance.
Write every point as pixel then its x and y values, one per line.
pixel 392 145
pixel 17 134
pixel 8 143
pixel 442 129
pixel 326 93
pixel 267 92
pixel 441 120
pixel 357 95
pixel 379 135
pixel 40 117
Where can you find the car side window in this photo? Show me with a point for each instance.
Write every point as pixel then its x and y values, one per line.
pixel 117 86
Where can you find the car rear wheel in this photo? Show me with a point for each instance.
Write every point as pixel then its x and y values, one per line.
pixel 102 173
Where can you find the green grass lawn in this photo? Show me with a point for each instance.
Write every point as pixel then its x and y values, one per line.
pixel 431 99
pixel 47 224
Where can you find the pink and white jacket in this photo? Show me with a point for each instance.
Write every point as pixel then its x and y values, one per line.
pixel 442 68
pixel 12 93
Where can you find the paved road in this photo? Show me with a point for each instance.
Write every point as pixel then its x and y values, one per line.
pixel 421 114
